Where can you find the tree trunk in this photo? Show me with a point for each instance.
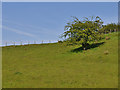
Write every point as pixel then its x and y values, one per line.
pixel 85 45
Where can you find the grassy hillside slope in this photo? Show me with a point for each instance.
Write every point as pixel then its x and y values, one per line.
pixel 56 66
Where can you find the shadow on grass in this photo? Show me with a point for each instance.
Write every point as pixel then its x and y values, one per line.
pixel 80 49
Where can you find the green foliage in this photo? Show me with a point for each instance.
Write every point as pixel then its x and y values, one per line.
pixel 83 32
pixel 109 28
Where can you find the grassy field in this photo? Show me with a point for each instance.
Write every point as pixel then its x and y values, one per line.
pixel 59 66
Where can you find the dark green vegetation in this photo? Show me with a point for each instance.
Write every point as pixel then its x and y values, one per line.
pixel 109 28
pixel 59 66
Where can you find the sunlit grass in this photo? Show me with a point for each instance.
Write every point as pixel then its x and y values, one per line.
pixel 56 66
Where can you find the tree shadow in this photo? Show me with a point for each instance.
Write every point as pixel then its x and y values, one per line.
pixel 80 49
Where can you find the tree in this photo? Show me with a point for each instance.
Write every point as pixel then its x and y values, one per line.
pixel 109 28
pixel 83 32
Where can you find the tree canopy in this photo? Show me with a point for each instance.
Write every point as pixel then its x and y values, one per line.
pixel 83 31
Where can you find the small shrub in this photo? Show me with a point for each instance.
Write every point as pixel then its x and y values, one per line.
pixel 60 42
pixel 107 38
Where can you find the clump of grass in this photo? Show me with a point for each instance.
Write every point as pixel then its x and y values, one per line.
pixel 106 52
pixel 18 73
pixel 107 38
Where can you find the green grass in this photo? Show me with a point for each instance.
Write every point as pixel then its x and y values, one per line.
pixel 55 66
